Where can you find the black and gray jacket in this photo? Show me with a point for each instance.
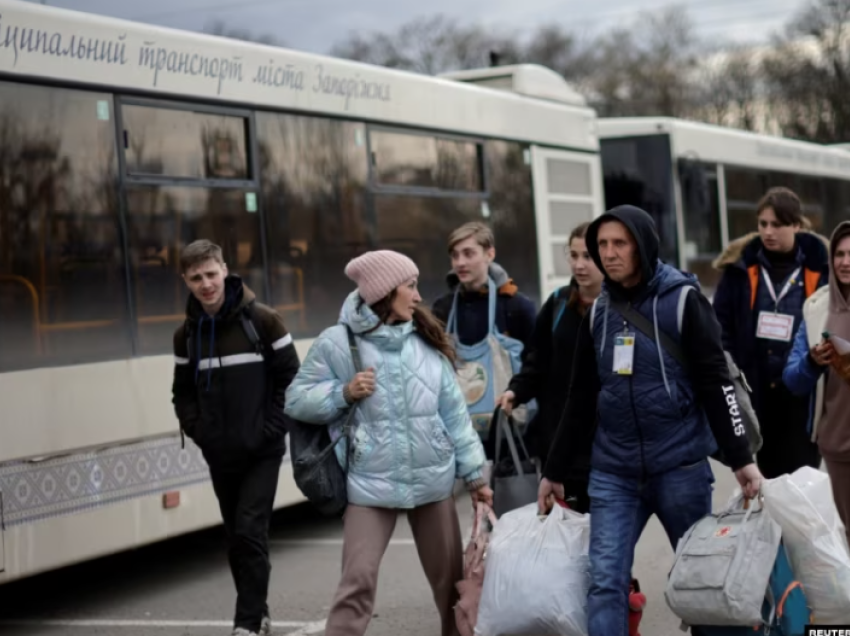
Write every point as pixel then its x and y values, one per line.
pixel 228 396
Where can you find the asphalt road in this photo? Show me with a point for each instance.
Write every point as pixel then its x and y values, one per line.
pixel 183 587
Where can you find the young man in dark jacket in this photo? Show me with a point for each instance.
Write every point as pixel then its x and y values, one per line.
pixel 651 429
pixel 233 363
pixel 472 250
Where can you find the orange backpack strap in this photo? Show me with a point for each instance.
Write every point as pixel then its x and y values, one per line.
pixel 811 279
pixel 753 271
pixel 780 608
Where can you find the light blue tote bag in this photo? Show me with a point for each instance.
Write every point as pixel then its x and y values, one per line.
pixel 485 369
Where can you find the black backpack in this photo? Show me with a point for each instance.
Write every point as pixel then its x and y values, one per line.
pixel 315 468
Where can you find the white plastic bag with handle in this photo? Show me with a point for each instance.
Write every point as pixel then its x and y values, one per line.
pixel 814 539
pixel 537 575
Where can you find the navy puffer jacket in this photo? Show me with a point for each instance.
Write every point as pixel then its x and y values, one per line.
pixel 649 422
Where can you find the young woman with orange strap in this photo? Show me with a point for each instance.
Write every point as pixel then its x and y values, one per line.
pixel 767 278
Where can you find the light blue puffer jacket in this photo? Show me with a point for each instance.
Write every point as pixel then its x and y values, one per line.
pixel 413 436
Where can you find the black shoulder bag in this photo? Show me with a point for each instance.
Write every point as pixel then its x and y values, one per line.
pixel 317 472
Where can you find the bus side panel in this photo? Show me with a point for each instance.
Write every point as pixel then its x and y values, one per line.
pixel 53 542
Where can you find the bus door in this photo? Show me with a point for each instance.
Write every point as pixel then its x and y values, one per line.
pixel 567 192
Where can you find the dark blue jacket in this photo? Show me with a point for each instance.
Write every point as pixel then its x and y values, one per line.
pixel 741 295
pixel 663 416
pixel 649 422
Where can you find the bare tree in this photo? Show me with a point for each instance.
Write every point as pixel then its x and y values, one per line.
pixel 667 55
pixel 645 68
pixel 564 52
pixel 808 75
pixel 729 89
pixel 429 45
pixel 656 65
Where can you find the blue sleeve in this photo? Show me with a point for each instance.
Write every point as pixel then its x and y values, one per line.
pixel 315 395
pixel 469 451
pixel 801 374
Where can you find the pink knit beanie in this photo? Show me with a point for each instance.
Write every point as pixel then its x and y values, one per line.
pixel 378 273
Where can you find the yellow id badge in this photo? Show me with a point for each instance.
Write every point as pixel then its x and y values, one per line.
pixel 624 354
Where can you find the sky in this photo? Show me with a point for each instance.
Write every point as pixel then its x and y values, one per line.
pixel 315 25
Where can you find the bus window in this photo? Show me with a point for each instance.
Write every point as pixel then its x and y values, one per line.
pixel 63 293
pixel 423 161
pixel 419 227
pixel 313 173
pixel 182 143
pixel 744 188
pixel 836 204
pixel 511 209
pixel 638 171
pixel 812 197
pixel 161 220
pixel 701 211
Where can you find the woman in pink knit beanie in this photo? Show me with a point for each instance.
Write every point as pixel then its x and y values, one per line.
pixel 412 436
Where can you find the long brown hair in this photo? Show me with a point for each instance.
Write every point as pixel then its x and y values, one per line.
pixel 427 326
pixel 579 232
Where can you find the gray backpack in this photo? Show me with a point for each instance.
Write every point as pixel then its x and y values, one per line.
pixel 722 568
pixel 746 412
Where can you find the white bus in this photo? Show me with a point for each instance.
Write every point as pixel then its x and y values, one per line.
pixel 120 143
pixel 701 183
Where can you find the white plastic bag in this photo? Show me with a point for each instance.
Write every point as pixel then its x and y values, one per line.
pixel 537 577
pixel 814 538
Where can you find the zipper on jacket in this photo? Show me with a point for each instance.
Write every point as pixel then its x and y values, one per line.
pixel 637 425
pixel 634 410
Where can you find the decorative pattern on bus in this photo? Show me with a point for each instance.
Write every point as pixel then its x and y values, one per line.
pixel 76 483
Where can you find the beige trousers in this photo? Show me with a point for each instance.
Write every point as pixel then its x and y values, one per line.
pixel 436 532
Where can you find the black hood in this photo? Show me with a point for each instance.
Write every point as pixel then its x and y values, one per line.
pixel 642 228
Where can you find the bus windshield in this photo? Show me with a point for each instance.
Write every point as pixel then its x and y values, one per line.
pixel 637 171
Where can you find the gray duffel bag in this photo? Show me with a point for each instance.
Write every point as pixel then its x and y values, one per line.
pixel 722 567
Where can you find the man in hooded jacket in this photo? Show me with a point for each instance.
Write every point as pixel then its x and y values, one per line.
pixel 656 423
pixel 229 395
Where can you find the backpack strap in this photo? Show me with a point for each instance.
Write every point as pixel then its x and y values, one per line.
pixel 646 326
pixel 593 313
pixel 680 309
pixel 253 329
pixel 780 606
pixel 187 334
pixel 560 307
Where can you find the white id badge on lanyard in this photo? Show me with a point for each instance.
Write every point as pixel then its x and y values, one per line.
pixel 624 353
pixel 771 324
